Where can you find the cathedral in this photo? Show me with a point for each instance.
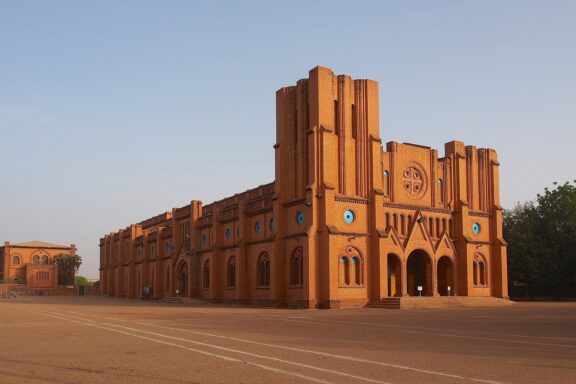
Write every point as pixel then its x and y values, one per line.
pixel 347 222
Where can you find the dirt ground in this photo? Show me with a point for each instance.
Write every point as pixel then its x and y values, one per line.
pixel 102 340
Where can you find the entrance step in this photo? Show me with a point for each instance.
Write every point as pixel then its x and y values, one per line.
pixel 388 303
pixel 181 300
pixel 438 302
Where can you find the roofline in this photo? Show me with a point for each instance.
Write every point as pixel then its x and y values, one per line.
pixel 38 247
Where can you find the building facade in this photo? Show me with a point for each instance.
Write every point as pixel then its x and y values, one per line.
pixel 28 266
pixel 345 223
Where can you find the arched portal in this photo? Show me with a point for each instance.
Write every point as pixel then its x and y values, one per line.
pixel 183 279
pixel 419 271
pixel 445 276
pixel 394 275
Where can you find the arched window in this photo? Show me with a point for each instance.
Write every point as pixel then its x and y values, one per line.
pixel 386 183
pixel 344 268
pixel 44 259
pixel 231 272
pixel 475 272
pixel 440 191
pixel 36 259
pixel 480 270
pixel 297 268
pixel 263 278
pixel 207 274
pixel 16 260
pixel 351 268
pixel 357 267
pixel 272 225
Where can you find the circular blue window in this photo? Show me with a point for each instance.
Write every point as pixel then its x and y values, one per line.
pixel 257 227
pixel 476 228
pixel 272 225
pixel 300 218
pixel 204 239
pixel 228 234
pixel 349 216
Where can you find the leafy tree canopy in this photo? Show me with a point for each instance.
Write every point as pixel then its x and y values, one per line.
pixel 541 238
pixel 68 265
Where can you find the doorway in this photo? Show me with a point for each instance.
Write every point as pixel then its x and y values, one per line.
pixel 419 270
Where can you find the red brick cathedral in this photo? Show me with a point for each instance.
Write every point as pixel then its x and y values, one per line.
pixel 345 223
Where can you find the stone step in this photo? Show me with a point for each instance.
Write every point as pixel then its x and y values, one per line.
pixel 438 302
pixel 181 300
pixel 388 303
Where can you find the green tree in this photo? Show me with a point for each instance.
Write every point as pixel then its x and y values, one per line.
pixel 524 245
pixel 557 212
pixel 68 265
pixel 81 280
pixel 541 238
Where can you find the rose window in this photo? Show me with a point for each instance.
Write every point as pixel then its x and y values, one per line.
pixel 414 181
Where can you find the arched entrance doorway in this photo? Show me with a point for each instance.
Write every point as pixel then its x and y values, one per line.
pixel 419 271
pixel 445 276
pixel 183 279
pixel 394 275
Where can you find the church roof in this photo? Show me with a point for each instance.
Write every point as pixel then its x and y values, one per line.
pixel 39 244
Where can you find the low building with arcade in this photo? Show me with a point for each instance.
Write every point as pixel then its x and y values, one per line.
pixel 28 267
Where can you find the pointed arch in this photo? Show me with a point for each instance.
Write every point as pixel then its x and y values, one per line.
pixel 182 278
pixel 344 270
pixel 419 236
pixel 206 274
pixel 357 270
pixel 153 282
pixel 480 270
pixel 167 279
pixel 263 270
pixel 231 272
pixel 297 268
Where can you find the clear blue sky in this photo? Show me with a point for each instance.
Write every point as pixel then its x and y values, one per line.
pixel 114 111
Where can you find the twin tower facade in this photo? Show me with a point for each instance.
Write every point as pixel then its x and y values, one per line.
pixel 345 223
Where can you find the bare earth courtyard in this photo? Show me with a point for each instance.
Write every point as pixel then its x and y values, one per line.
pixel 101 340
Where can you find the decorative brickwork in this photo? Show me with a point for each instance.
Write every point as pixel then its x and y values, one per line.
pixel 345 222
